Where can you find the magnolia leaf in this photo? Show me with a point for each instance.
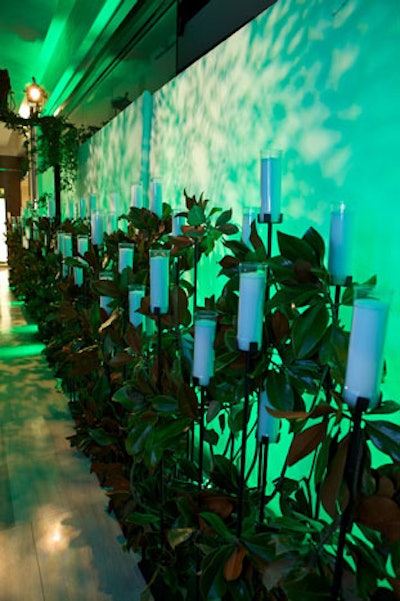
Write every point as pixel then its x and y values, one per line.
pixel 275 571
pixel 165 404
pixel 385 407
pixel 221 505
pixel 385 436
pixel 177 536
pixel 306 441
pixel 316 242
pixel 196 216
pixel 224 217
pixel 120 359
pixel 142 519
pixel 294 248
pixel 309 329
pixel 216 523
pixel 333 487
pixel 234 565
pixel 382 514
pixel 279 391
pixel 102 437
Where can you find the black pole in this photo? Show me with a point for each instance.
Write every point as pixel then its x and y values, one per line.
pixel 352 474
pixel 196 260
pixel 201 436
pixel 242 475
pixel 159 348
pixel 264 447
pixel 57 192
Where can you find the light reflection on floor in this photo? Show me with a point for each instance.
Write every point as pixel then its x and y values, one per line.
pixel 57 541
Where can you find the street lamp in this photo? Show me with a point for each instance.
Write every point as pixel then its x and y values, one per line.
pixel 35 96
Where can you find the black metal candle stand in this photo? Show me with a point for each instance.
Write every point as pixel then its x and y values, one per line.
pixel 157 313
pixel 338 288
pixel 352 475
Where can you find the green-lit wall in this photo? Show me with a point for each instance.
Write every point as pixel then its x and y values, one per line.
pixel 319 79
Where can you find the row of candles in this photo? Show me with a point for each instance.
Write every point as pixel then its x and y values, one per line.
pixel 365 363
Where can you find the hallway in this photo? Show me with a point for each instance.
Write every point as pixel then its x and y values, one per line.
pixel 57 541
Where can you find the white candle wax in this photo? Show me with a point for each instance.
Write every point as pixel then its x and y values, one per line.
pixel 156 198
pixel 67 241
pixel 104 303
pixel 203 356
pixel 78 276
pixel 82 208
pixel 92 203
pixel 159 283
pixel 271 187
pixel 135 299
pixel 340 244
pixel 177 223
pixel 365 354
pixel 82 244
pixel 125 257
pixel 137 196
pixel 267 425
pixel 112 223
pixel 251 309
pixel 97 223
pixel 247 219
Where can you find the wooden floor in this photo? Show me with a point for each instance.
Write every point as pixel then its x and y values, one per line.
pixel 57 541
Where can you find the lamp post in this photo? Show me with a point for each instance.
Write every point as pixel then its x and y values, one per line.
pixel 35 96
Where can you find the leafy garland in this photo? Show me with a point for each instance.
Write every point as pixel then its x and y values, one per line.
pixel 57 142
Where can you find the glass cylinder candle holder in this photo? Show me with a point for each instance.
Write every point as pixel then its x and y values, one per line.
pixel 205 323
pixel 97 228
pixel 250 214
pixel 92 204
pixel 78 276
pixel 137 195
pixel 82 244
pixel 159 280
pixel 135 294
pixel 177 222
pixel 366 346
pixel 267 424
pixel 82 208
pixel 112 223
pixel 252 283
pixel 340 244
pixel 106 300
pixel 156 197
pixel 270 184
pixel 125 255
pixel 67 245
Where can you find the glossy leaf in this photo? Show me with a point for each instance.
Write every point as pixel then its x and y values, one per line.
pixel 309 329
pixel 196 216
pixel 142 519
pixel 177 536
pixel 294 248
pixel 385 436
pixel 306 442
pixel 234 564
pixel 218 525
pixel 316 242
pixel 224 217
pixel 279 391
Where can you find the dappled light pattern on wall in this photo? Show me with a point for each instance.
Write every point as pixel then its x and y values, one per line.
pixel 320 81
pixel 117 155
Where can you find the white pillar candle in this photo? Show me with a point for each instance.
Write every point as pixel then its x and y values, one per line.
pixel 97 228
pixel 112 223
pixel 82 242
pixel 67 245
pixel 365 355
pixel 340 244
pixel 251 305
pixel 78 276
pixel 137 195
pixel 159 280
pixel 106 300
pixel 267 424
pixel 114 203
pixel 60 241
pixel 92 203
pixel 177 222
pixel 52 207
pixel 271 168
pixel 82 208
pixel 125 255
pixel 156 197
pixel 203 355
pixel 136 293
pixel 249 215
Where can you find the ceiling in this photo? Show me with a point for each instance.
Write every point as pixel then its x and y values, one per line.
pixel 91 56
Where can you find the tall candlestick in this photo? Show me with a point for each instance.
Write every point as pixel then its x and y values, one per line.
pixel 125 255
pixel 137 195
pixel 267 424
pixel 136 293
pixel 365 355
pixel 249 215
pixel 271 168
pixel 156 197
pixel 251 305
pixel 177 222
pixel 106 300
pixel 159 280
pixel 82 241
pixel 340 244
pixel 203 355
pixel 97 223
pixel 112 223
pixel 82 208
